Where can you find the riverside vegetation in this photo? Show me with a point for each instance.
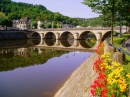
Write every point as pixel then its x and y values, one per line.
pixel 113 77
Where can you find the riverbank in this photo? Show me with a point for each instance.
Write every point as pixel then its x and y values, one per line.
pixel 79 83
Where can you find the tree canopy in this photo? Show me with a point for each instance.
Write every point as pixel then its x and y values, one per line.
pixel 110 9
pixel 17 10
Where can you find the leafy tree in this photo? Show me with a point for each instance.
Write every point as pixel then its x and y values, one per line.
pixel 48 25
pixel 2 15
pixel 13 16
pixel 34 24
pixel 57 16
pixel 6 23
pixel 124 12
pixel 55 25
pixel 108 7
pixel 42 25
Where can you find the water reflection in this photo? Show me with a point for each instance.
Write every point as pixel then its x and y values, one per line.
pixel 40 80
pixel 87 43
pixel 36 72
pixel 18 43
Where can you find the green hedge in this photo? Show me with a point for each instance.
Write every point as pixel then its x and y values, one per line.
pixel 119 41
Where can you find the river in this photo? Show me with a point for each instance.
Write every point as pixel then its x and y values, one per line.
pixel 26 72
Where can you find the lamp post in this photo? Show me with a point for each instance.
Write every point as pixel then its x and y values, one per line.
pixel 112 19
pixel 66 24
pixel 120 25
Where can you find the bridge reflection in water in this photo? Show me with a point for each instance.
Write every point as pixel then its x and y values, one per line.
pixel 30 65
pixel 10 49
pixel 68 45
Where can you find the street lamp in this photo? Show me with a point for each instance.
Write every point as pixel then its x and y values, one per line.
pixel 120 25
pixel 66 24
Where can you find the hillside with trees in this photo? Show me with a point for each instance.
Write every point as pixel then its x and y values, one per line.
pixel 16 10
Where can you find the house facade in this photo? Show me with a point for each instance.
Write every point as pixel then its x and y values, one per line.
pixel 22 24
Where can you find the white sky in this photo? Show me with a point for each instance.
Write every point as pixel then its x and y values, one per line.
pixel 71 8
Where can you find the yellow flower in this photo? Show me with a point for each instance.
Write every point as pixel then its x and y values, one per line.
pixel 110 75
pixel 120 69
pixel 123 87
pixel 117 75
pixel 111 81
pixel 121 80
pixel 103 56
pixel 128 75
pixel 109 67
pixel 116 63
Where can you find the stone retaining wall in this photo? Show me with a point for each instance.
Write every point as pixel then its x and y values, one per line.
pixel 78 85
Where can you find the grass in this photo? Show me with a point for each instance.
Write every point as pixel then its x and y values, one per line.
pixel 118 41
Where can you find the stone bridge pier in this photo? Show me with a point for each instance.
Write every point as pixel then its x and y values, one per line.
pixel 57 42
pixel 99 36
pixel 76 35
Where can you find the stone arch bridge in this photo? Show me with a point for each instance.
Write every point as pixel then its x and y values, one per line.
pixel 75 33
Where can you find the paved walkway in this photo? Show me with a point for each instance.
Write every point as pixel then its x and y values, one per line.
pixel 79 83
pixel 127 45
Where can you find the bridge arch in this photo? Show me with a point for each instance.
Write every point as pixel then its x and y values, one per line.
pixel 106 35
pixel 66 35
pixel 35 35
pixel 86 35
pixel 50 35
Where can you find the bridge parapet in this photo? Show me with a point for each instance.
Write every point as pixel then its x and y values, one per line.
pixel 82 28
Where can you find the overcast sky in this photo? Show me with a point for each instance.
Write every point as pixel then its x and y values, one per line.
pixel 71 8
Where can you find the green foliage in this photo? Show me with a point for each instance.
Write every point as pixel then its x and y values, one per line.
pixel 42 25
pixel 118 40
pixel 48 25
pixel 91 42
pixel 115 33
pixel 111 10
pixel 95 22
pixel 6 23
pixel 34 24
pixel 14 10
pixel 126 35
pixel 2 15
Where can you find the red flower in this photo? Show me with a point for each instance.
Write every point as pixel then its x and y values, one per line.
pixel 100 49
pixel 113 95
pixel 104 93
pixel 93 92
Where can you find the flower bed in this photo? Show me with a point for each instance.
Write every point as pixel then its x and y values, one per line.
pixel 113 78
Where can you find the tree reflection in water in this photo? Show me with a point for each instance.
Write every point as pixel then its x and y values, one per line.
pixel 36 71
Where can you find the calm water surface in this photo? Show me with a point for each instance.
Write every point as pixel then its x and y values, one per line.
pixel 40 79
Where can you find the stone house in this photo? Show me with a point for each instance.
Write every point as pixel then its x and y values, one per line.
pixel 22 24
